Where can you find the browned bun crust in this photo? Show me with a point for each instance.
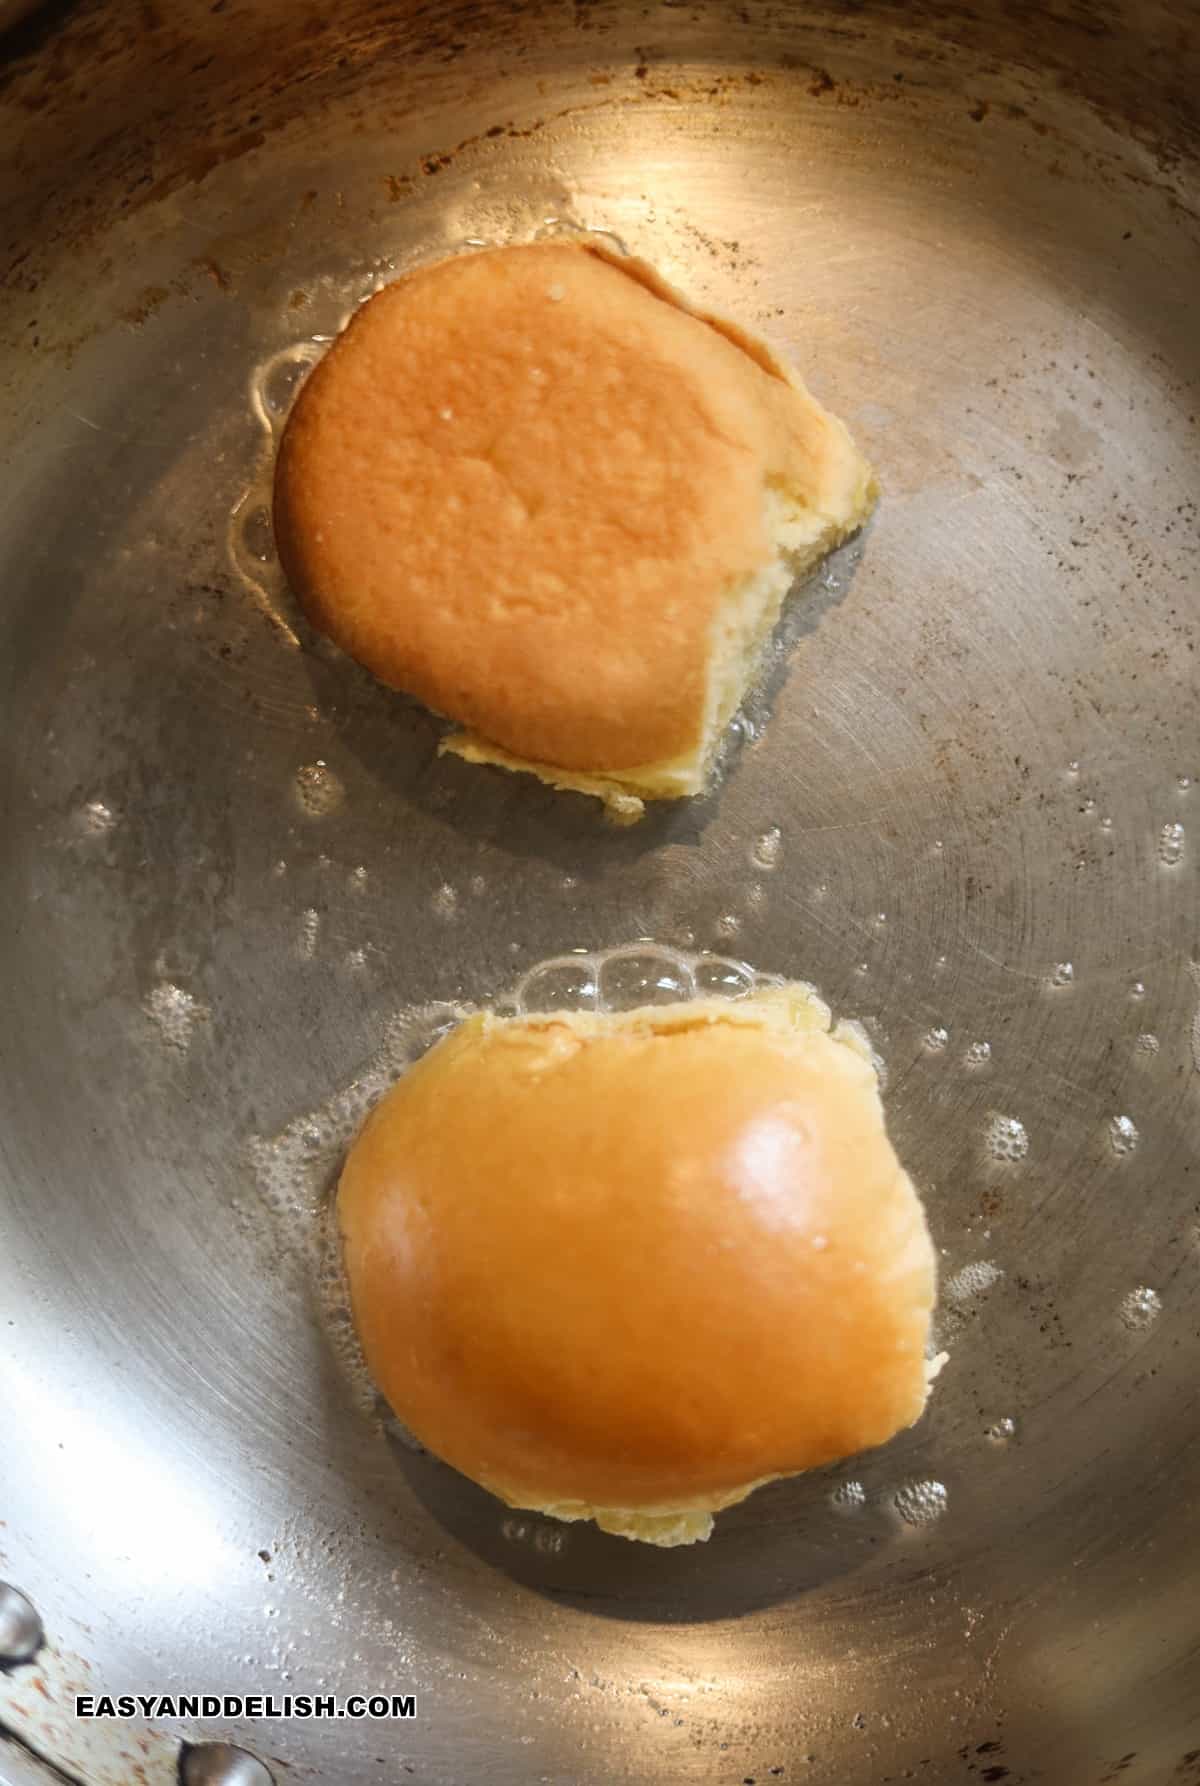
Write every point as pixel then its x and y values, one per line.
pixel 522 484
pixel 635 1265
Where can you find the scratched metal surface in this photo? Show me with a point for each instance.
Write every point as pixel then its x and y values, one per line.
pixel 977 236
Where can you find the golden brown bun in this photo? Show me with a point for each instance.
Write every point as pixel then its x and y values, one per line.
pixel 629 1267
pixel 534 488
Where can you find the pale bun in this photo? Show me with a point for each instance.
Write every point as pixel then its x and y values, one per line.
pixel 535 488
pixel 629 1267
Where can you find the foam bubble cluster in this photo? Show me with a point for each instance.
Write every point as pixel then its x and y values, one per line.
pixel 1141 1307
pixel 848 1497
pixel 972 1280
pixel 318 790
pixel 175 1013
pixel 921 1503
pixel 1007 1138
pixel 1122 1134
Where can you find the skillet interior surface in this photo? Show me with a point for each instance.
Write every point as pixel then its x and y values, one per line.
pixel 239 883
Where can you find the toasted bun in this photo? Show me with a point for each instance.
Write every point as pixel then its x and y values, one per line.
pixel 629 1267
pixel 536 489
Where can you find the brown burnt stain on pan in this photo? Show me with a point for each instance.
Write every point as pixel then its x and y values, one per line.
pixel 104 120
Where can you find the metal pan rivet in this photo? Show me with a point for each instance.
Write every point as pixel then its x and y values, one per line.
pixel 222 1764
pixel 20 1627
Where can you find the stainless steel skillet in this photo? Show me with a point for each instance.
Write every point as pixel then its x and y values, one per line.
pixel 971 821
